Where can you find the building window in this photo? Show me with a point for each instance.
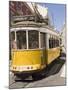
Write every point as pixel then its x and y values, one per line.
pixel 33 39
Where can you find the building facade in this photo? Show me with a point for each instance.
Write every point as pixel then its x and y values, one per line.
pixel 63 38
pixel 19 8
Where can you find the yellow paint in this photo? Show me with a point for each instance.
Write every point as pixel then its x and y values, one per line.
pixel 52 54
pixel 33 58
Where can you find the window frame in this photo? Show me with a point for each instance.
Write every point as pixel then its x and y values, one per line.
pixel 13 40
pixel 27 41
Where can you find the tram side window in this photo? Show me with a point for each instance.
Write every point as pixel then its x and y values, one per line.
pixel 50 42
pixel 33 39
pixel 57 42
pixel 54 43
pixel 60 41
pixel 21 39
pixel 43 40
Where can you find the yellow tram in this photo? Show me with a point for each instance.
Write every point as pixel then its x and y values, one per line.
pixel 33 47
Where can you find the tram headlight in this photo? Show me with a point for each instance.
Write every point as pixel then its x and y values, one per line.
pixel 21 68
pixel 31 67
pixel 28 68
pixel 13 67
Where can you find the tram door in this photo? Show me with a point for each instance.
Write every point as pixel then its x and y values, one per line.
pixel 43 47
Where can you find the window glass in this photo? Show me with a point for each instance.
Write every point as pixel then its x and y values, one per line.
pixel 12 36
pixel 43 40
pixel 57 42
pixel 21 39
pixel 50 42
pixel 13 42
pixel 54 42
pixel 52 45
pixel 60 41
pixel 33 39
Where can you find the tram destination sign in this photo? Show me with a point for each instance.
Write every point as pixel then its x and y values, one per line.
pixel 24 18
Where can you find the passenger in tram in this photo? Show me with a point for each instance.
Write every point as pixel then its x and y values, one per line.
pixel 34 44
pixel 14 45
pixel 23 46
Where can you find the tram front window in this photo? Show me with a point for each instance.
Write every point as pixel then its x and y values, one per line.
pixel 33 39
pixel 21 39
pixel 12 35
pixel 13 42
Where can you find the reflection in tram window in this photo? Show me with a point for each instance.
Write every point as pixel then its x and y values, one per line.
pixel 42 37
pixel 33 39
pixel 21 39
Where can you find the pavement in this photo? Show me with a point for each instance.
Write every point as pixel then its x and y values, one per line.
pixel 63 71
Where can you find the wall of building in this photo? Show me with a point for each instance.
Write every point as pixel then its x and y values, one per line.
pixel 19 8
pixel 63 37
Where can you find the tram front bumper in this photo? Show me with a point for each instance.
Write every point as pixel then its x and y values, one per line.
pixel 26 69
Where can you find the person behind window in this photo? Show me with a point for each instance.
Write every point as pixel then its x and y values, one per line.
pixel 34 44
pixel 14 46
pixel 23 46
